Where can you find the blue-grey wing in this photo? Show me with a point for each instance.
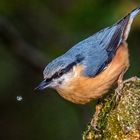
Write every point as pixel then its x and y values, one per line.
pixel 95 63
pixel 99 49
pixel 104 48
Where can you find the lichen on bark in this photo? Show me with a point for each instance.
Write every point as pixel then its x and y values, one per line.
pixel 119 120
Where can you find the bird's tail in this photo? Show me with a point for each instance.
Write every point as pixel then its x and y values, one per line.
pixel 126 22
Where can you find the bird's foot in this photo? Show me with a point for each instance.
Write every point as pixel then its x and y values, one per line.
pixel 118 90
pixel 95 118
pixel 132 79
pixel 121 83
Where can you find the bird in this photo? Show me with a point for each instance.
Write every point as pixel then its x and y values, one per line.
pixel 88 70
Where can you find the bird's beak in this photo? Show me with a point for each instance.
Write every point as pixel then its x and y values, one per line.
pixel 42 85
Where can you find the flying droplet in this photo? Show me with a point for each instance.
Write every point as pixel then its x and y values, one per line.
pixel 19 98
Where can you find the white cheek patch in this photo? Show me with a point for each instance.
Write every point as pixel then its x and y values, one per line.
pixel 65 79
pixel 62 81
pixel 68 76
pixel 75 72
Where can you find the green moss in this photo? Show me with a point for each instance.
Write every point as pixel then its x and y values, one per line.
pixel 120 120
pixel 89 133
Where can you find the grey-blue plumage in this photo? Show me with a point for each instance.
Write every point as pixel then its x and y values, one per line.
pixel 95 52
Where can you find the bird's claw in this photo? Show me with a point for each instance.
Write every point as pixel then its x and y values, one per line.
pixel 132 79
pixel 118 90
pixel 94 121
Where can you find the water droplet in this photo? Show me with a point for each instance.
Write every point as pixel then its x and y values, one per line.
pixel 19 98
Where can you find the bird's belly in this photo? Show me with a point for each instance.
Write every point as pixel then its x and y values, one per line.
pixel 82 89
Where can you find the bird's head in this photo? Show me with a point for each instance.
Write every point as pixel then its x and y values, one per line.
pixel 58 72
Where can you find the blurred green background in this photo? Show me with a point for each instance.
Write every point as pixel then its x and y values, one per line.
pixel 47 28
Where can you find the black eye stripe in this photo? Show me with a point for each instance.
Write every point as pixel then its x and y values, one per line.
pixel 60 73
pixel 65 70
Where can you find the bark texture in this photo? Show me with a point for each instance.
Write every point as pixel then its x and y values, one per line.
pixel 118 119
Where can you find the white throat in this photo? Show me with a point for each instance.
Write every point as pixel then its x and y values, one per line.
pixel 62 81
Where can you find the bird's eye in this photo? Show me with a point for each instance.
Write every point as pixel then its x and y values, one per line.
pixel 60 73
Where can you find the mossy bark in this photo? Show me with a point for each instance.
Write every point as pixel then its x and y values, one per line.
pixel 119 119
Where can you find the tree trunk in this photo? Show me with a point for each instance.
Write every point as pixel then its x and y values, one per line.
pixel 119 119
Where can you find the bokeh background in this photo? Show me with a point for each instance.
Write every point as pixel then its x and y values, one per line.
pixel 33 32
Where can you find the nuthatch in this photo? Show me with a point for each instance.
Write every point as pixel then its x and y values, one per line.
pixel 88 69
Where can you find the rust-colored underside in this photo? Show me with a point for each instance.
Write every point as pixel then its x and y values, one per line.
pixel 82 89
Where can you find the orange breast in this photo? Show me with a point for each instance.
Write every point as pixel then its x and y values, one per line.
pixel 82 89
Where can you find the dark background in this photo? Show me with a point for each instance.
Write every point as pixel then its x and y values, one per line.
pixel 33 32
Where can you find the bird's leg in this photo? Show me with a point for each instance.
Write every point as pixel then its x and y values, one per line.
pixel 96 116
pixel 132 79
pixel 120 82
